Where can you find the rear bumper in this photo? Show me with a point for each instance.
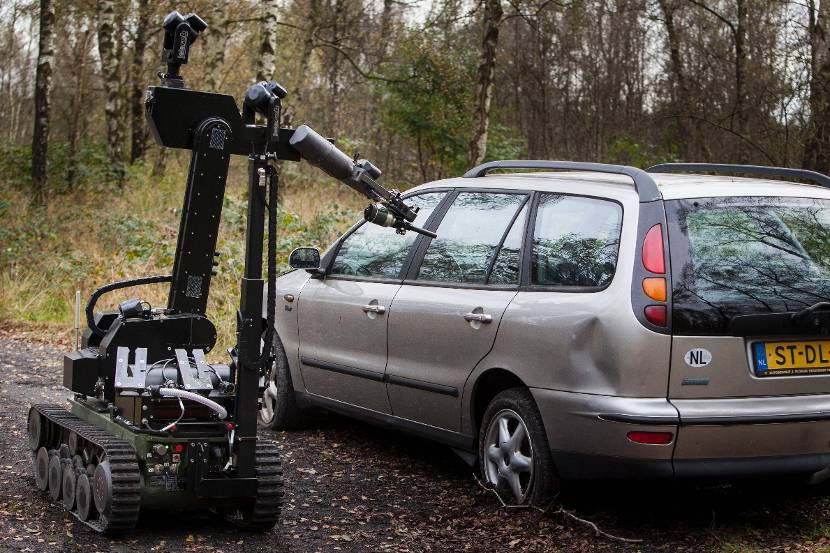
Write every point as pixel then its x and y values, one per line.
pixel 713 438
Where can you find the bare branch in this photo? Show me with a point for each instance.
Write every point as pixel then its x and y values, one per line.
pixel 560 511
pixel 726 21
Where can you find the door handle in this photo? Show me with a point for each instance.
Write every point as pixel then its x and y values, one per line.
pixel 374 308
pixel 479 317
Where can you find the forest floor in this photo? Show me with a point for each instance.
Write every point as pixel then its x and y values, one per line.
pixel 351 487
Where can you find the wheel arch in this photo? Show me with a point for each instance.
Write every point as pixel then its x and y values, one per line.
pixel 488 385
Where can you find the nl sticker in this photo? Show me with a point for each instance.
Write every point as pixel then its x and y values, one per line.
pixel 698 357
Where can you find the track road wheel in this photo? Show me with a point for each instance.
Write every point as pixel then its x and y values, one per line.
pixel 42 469
pixel 37 430
pixel 55 477
pixel 83 497
pixel 70 483
pixel 102 488
pixel 262 513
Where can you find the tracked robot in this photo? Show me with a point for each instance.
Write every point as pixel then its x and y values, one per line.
pixel 152 424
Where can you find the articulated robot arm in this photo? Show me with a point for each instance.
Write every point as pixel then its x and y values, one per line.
pixel 361 175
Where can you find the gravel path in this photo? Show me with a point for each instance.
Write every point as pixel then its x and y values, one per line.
pixel 351 487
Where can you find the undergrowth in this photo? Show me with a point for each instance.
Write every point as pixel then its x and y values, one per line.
pixel 100 234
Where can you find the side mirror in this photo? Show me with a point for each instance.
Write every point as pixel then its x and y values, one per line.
pixel 305 258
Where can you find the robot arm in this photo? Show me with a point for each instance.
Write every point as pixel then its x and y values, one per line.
pixel 388 208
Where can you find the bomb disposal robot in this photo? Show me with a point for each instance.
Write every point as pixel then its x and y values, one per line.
pixel 152 424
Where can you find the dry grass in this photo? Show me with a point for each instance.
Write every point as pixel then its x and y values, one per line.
pixel 84 240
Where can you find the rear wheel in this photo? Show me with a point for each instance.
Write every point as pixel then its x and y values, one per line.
pixel 279 409
pixel 513 450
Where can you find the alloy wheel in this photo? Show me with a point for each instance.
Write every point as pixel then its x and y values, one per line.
pixel 508 455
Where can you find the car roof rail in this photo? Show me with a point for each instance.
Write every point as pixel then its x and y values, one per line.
pixel 804 174
pixel 643 183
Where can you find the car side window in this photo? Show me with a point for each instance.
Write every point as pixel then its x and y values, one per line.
pixel 469 237
pixel 506 266
pixel 372 251
pixel 575 241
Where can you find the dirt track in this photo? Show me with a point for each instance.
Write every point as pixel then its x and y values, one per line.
pixel 351 487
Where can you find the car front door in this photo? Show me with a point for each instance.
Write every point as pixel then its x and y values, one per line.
pixel 445 316
pixel 343 316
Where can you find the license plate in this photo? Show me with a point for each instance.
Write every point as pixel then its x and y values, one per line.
pixel 791 358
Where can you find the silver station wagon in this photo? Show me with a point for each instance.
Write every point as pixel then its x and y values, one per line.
pixel 579 321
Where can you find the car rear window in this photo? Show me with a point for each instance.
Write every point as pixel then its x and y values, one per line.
pixel 746 255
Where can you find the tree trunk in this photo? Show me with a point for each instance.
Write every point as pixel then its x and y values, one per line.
pixel 817 143
pixel 486 71
pixel 138 138
pixel 740 108
pixel 217 39
pixel 76 104
pixel 110 57
pixel 43 91
pixel 681 98
pixel 266 63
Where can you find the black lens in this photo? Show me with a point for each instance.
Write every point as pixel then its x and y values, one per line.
pixel 378 215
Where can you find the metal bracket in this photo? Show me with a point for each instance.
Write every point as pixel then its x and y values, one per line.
pixel 129 377
pixel 193 380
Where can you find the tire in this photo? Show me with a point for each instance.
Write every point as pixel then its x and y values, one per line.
pixel 279 409
pixel 523 475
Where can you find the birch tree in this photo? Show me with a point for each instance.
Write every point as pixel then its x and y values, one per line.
pixel 266 62
pixel 110 54
pixel 217 38
pixel 43 91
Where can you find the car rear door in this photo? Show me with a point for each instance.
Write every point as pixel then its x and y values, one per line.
pixel 741 268
pixel 445 317
pixel 343 317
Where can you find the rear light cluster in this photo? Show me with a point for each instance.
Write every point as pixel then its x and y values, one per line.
pixel 654 261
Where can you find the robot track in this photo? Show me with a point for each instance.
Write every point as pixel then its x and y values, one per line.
pixel 93 473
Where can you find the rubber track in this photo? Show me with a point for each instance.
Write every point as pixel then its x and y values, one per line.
pixel 266 508
pixel 126 492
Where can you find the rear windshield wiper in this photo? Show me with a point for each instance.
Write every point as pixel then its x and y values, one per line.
pixel 812 320
pixel 799 316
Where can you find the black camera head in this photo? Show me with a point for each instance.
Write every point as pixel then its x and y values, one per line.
pixel 180 32
pixel 261 98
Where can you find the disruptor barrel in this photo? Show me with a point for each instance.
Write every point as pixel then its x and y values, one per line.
pixel 359 174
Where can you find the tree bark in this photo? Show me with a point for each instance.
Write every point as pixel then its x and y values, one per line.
pixel 740 107
pixel 266 66
pixel 138 138
pixel 110 58
pixel 817 144
pixel 76 104
pixel 43 92
pixel 486 71
pixel 681 97
pixel 218 39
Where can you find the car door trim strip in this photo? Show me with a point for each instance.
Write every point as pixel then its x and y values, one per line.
pixel 442 389
pixel 343 369
pixel 421 385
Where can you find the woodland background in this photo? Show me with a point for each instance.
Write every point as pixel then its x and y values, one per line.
pixel 424 88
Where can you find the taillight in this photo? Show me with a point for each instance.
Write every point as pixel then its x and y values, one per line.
pixel 654 259
pixel 656 315
pixel 655 288
pixel 654 438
